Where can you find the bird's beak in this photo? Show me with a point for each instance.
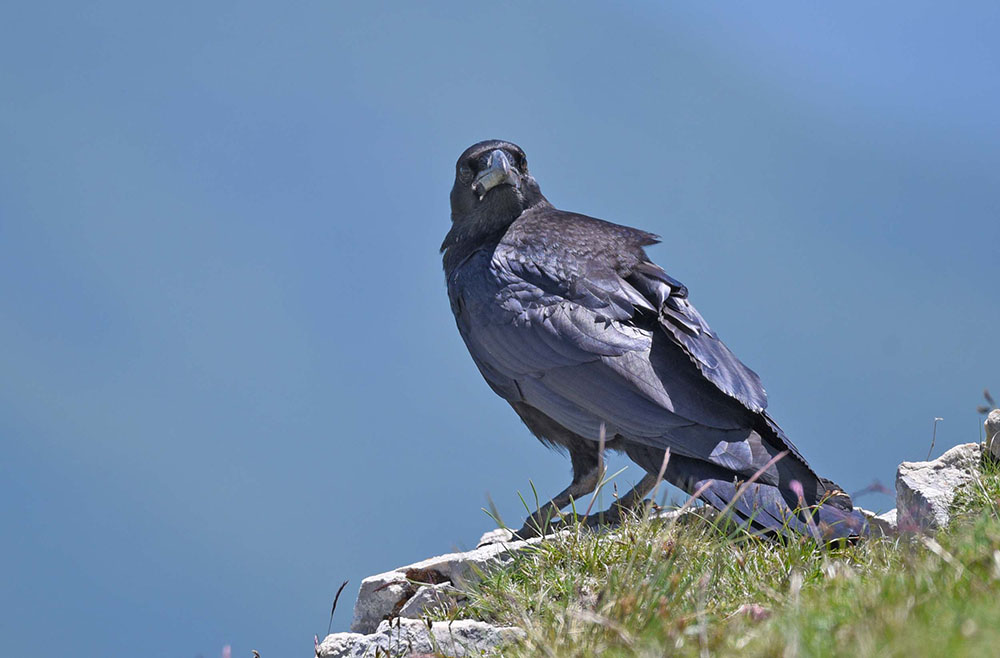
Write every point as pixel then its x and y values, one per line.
pixel 499 171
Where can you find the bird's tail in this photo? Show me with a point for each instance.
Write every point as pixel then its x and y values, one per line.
pixel 767 508
pixel 789 499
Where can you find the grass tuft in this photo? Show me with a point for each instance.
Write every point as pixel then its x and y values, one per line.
pixel 696 588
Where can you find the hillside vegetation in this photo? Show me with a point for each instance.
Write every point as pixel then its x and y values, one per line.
pixel 694 588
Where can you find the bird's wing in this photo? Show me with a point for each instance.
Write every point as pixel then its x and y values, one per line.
pixel 522 319
pixel 685 326
pixel 561 334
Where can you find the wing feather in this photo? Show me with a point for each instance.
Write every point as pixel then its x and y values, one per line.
pixel 586 345
pixel 682 322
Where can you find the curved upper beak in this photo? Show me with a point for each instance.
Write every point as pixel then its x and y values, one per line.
pixel 498 171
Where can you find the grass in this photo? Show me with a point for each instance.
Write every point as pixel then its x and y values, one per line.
pixel 692 588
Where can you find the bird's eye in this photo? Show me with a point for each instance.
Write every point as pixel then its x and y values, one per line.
pixel 465 171
pixel 522 162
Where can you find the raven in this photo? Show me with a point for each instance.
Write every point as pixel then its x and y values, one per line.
pixel 592 344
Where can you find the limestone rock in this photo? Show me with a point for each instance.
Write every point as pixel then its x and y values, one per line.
pixel 429 598
pixel 409 591
pixel 380 596
pixel 383 596
pixel 498 536
pixel 340 644
pixel 881 525
pixel 695 513
pixel 410 637
pixel 925 490
pixel 887 521
pixel 993 433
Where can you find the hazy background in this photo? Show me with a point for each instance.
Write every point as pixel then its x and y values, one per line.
pixel 229 376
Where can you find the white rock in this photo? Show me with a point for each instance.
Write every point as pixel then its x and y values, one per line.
pixel 992 425
pixel 385 595
pixel 880 524
pixel 696 512
pixel 340 644
pixel 402 637
pixel 464 568
pixel 382 596
pixel 888 521
pixel 498 536
pixel 429 598
pixel 925 490
pixel 471 637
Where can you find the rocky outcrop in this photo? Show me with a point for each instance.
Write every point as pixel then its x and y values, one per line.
pixel 888 522
pixel 882 525
pixel 926 490
pixel 390 614
pixel 431 598
pixel 992 426
pixel 411 637
pixel 438 579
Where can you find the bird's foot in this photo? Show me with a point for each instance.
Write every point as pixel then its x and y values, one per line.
pixel 615 515
pixel 609 518
pixel 540 525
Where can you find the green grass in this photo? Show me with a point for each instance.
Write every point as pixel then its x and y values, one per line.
pixel 691 588
pixel 982 494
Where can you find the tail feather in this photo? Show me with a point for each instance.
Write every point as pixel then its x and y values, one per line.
pixel 766 508
pixel 771 506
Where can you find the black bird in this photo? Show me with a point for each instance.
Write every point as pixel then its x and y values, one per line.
pixel 570 322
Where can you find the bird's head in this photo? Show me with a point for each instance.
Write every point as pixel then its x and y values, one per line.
pixel 492 180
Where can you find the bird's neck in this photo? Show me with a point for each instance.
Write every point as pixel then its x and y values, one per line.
pixel 479 228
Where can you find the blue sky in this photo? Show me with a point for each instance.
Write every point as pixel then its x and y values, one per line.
pixel 230 377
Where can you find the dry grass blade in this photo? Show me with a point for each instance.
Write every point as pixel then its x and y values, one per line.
pixel 333 608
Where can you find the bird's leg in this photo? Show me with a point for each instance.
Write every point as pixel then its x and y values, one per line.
pixel 584 482
pixel 627 503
